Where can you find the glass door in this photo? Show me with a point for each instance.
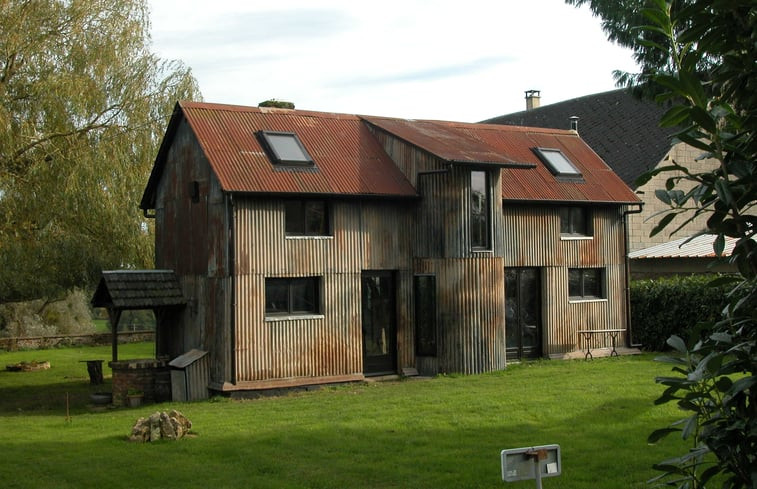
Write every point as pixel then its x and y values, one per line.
pixel 379 323
pixel 523 313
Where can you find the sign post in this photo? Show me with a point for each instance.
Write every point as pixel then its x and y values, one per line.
pixel 531 463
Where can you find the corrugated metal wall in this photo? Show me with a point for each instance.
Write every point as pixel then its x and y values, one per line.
pixel 191 238
pixel 532 239
pixel 365 237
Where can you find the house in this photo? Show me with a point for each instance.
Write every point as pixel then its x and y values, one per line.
pixel 625 133
pixel 317 247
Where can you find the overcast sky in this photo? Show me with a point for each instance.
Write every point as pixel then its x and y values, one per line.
pixel 461 60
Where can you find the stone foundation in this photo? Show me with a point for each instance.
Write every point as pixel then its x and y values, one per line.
pixel 150 376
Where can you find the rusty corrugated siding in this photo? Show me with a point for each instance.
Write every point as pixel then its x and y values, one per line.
pixel 348 160
pixel 502 145
pixel 364 238
pixel 532 239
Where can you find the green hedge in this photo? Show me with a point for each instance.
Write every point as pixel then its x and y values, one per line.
pixel 673 305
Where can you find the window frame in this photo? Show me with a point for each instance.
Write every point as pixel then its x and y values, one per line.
pixel 600 279
pixel 487 214
pixel 291 283
pixel 431 349
pixel 267 138
pixel 303 218
pixel 587 215
pixel 573 174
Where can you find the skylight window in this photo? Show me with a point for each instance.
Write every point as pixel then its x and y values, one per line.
pixel 285 148
pixel 558 163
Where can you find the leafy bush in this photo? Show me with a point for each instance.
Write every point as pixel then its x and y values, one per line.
pixel 70 315
pixel 661 308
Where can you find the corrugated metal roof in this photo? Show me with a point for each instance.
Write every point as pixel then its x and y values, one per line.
pixel 348 159
pixel 698 247
pixel 138 289
pixel 502 145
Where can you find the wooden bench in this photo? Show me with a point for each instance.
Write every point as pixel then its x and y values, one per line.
pixel 588 340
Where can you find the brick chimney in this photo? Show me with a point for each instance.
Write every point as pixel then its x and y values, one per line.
pixel 532 99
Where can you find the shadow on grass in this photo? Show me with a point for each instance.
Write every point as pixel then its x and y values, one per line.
pixel 41 399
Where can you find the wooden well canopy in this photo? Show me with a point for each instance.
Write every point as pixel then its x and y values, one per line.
pixel 121 290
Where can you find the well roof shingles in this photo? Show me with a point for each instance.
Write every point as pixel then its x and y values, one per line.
pixel 138 289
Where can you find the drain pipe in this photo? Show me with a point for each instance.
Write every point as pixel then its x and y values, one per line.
pixel 626 213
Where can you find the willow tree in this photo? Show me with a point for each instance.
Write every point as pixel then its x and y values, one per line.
pixel 83 104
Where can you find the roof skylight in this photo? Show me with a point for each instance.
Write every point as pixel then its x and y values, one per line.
pixel 558 163
pixel 285 148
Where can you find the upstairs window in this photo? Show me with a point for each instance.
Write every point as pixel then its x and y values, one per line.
pixel 480 204
pixel 292 296
pixel 575 222
pixel 306 218
pixel 558 163
pixel 586 284
pixel 285 148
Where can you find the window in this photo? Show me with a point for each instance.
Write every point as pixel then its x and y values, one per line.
pixel 479 220
pixel 306 218
pixel 425 315
pixel 558 163
pixel 586 283
pixel 285 148
pixel 292 296
pixel 575 221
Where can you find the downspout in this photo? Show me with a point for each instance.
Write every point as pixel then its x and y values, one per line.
pixel 626 213
pixel 232 285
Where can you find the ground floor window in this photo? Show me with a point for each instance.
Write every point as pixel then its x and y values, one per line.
pixel 425 315
pixel 290 296
pixel 586 283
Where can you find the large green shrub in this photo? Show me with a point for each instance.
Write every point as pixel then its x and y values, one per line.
pixel 674 305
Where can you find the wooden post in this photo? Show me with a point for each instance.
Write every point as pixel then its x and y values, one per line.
pixel 114 315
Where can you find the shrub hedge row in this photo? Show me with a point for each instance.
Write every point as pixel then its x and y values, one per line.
pixel 673 305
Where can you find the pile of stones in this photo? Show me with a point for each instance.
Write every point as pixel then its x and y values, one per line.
pixel 170 425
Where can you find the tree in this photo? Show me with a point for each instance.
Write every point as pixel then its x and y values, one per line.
pixel 83 104
pixel 699 57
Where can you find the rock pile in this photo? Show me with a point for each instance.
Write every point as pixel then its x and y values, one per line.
pixel 160 426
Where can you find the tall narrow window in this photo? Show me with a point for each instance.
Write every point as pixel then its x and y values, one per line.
pixel 425 315
pixel 586 283
pixel 480 210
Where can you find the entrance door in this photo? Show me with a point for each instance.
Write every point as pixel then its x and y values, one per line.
pixel 379 323
pixel 523 313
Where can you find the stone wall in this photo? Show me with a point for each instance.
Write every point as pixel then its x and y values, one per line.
pixel 640 225
pixel 94 339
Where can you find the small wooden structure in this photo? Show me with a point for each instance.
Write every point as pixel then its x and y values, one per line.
pixel 189 376
pixel 121 290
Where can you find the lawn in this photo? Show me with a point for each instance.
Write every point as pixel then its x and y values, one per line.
pixel 445 432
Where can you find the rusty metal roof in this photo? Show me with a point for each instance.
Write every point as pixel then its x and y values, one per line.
pixel 481 144
pixel 347 158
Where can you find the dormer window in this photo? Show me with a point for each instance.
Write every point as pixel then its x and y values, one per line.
pixel 285 148
pixel 558 163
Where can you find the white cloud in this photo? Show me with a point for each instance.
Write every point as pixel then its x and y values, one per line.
pixel 419 59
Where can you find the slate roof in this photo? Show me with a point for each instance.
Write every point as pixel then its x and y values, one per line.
pixel 138 289
pixel 623 130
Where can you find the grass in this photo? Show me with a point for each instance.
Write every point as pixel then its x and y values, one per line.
pixel 444 432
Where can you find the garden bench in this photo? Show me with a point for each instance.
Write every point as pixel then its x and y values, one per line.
pixel 588 340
